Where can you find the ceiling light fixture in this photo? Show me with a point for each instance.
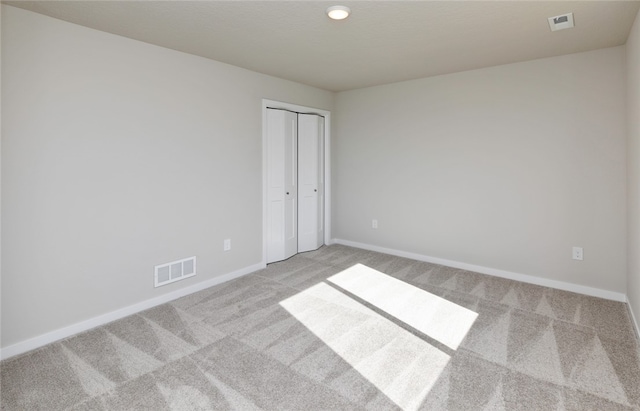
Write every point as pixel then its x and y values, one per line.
pixel 338 12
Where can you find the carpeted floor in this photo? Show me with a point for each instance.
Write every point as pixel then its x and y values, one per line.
pixel 342 328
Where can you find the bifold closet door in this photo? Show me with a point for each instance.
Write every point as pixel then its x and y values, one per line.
pixel 282 190
pixel 310 182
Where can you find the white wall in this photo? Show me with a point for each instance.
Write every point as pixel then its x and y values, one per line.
pixel 118 155
pixel 633 168
pixel 0 174
pixel 505 167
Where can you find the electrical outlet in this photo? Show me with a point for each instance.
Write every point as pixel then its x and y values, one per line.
pixel 227 244
pixel 577 253
pixel 374 223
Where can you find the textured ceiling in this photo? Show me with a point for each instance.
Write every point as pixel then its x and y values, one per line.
pixel 381 42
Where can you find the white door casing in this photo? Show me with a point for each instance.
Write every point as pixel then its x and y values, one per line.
pixel 269 252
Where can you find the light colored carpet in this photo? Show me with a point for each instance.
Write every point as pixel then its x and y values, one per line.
pixel 342 328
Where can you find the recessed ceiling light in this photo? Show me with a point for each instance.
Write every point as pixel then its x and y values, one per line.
pixel 338 12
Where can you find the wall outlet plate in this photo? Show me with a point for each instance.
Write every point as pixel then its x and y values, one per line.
pixel 578 253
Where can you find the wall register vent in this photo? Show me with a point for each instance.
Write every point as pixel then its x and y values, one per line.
pixel 174 271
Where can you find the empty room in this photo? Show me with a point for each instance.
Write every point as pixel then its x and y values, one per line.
pixel 313 205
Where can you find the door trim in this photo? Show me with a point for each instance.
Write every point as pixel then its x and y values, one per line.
pixel 327 165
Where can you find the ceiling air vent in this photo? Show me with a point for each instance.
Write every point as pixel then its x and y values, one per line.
pixel 564 21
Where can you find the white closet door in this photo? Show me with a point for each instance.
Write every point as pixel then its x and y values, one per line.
pixel 282 190
pixel 311 182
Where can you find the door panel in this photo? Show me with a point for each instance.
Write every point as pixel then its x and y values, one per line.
pixel 281 185
pixel 311 181
pixel 291 185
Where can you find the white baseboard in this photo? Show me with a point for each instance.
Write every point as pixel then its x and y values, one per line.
pixel 634 320
pixel 65 332
pixel 576 288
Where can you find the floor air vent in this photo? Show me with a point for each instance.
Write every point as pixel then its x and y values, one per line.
pixel 175 271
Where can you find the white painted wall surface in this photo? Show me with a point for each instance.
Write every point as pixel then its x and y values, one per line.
pixel 506 167
pixel 633 168
pixel 0 173
pixel 118 155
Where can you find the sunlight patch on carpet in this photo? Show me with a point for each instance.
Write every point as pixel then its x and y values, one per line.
pixel 434 316
pixel 402 366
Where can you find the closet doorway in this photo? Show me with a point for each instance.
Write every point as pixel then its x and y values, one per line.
pixel 295 147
